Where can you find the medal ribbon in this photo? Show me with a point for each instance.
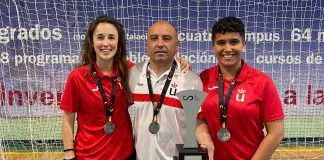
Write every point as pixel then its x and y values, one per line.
pixel 223 107
pixel 158 106
pixel 108 107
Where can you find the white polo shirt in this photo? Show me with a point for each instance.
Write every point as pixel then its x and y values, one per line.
pixel 162 145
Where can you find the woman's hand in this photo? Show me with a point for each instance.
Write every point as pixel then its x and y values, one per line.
pixel 204 138
pixel 210 150
pixel 184 64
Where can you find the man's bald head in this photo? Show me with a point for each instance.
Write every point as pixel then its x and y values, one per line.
pixel 158 24
pixel 162 43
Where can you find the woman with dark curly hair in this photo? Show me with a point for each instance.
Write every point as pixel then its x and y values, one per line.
pixel 241 101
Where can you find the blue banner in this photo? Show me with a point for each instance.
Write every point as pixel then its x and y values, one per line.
pixel 41 41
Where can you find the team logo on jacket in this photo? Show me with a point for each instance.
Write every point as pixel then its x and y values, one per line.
pixel 95 89
pixel 173 89
pixel 212 88
pixel 240 95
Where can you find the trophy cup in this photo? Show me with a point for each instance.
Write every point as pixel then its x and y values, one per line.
pixel 191 101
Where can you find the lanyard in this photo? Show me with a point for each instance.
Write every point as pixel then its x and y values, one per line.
pixel 223 107
pixel 108 107
pixel 158 106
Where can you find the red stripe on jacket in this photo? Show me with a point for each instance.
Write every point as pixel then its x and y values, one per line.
pixel 172 102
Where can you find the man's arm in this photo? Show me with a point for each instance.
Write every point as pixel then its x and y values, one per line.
pixel 204 138
pixel 275 133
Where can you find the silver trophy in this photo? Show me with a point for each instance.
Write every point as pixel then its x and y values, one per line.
pixel 191 101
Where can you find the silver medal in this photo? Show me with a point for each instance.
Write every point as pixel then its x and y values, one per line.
pixel 109 127
pixel 223 134
pixel 154 127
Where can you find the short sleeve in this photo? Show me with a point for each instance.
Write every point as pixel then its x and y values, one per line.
pixel 271 107
pixel 130 64
pixel 71 95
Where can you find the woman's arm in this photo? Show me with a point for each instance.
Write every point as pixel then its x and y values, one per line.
pixel 275 133
pixel 68 133
pixel 204 138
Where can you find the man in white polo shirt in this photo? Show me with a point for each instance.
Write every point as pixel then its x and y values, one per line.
pixel 159 122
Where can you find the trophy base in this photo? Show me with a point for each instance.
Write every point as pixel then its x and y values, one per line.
pixel 190 153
